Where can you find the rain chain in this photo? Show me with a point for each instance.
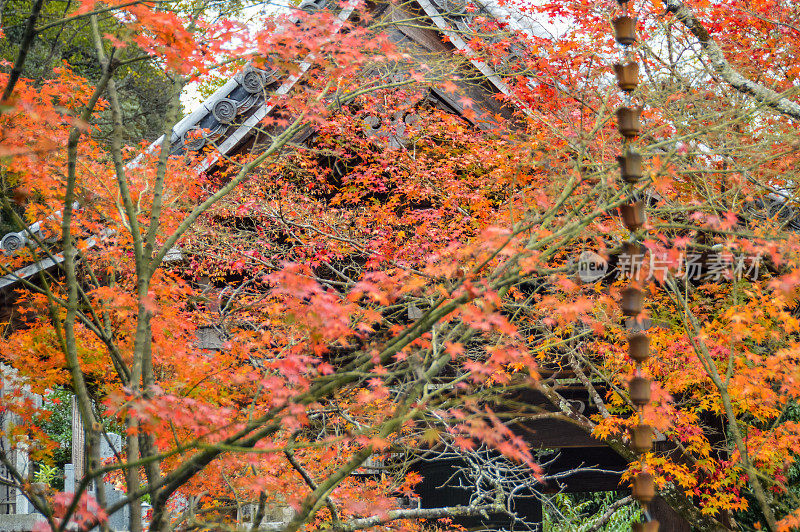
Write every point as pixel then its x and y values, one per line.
pixel 630 163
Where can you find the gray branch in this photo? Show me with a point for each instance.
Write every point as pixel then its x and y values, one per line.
pixel 609 513
pixel 762 94
pixel 420 513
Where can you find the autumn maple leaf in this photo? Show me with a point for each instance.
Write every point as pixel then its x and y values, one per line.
pixel 449 86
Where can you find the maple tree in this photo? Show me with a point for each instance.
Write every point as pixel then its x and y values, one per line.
pixel 396 283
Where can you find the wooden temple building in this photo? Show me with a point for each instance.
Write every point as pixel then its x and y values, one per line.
pixel 227 119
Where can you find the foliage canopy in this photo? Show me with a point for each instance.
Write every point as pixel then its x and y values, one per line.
pixel 389 263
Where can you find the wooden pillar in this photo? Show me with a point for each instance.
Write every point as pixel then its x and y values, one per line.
pixel 669 520
pixel 77 441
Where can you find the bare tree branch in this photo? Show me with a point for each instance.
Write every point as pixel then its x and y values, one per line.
pixel 612 509
pixel 24 47
pixel 762 94
pixel 420 513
